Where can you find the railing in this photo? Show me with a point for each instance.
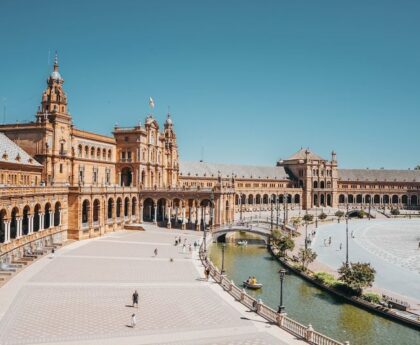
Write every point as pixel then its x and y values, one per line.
pixel 106 189
pixel 10 191
pixel 304 332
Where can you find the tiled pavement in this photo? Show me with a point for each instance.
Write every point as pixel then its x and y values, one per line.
pixel 83 296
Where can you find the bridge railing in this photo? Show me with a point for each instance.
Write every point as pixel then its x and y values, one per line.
pixel 306 333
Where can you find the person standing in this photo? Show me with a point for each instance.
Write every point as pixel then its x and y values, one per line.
pixel 135 299
pixel 156 252
pixel 133 321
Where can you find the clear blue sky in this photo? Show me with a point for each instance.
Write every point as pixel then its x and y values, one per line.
pixel 248 81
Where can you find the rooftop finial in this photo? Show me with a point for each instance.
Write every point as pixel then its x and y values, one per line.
pixel 56 60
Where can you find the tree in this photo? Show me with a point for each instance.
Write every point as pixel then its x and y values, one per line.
pixel 357 275
pixel 339 215
pixel 306 256
pixel 395 211
pixel 322 216
pixel 308 218
pixel 417 167
pixel 296 222
pixel 285 244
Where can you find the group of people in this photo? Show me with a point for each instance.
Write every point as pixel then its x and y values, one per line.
pixel 185 245
pixel 252 280
pixel 135 300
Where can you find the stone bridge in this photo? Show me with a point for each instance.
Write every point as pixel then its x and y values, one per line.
pixel 262 229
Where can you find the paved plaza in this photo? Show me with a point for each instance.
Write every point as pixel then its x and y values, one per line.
pixel 391 246
pixel 83 296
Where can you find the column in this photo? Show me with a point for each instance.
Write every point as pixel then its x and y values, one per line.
pixel 168 224
pixel 198 216
pixel 6 231
pixel 184 219
pixel 30 224
pixel 18 227
pixel 155 215
pixel 41 221
pixel 59 217
pixel 140 212
pixel 51 219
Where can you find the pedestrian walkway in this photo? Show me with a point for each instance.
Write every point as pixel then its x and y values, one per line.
pixel 84 296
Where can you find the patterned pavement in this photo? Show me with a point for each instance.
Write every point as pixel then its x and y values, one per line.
pixel 83 296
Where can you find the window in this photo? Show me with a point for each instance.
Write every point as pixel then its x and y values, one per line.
pixel 95 175
pixel 108 176
pixel 81 174
pixel 61 168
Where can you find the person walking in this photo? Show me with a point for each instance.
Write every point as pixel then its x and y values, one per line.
pixel 156 252
pixel 341 246
pixel 206 273
pixel 135 299
pixel 133 321
pixel 52 253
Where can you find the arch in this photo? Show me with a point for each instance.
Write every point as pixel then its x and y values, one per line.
pixel 322 199
pixel 86 151
pixel 148 210
pixel 404 199
pixel 243 199
pixel 143 177
pixel 258 199
pixel 414 200
pixel 57 211
pixel 98 153
pixel 265 199
pixel 79 150
pixel 161 210
pixel 37 211
pixel 341 199
pixel 315 184
pixel 126 206
pixel 104 154
pixel 236 199
pixel 368 199
pixel 395 199
pixel 289 198
pixel 13 222
pixel 110 208
pixel 85 211
pixel 133 206
pixel 96 210
pixel 359 198
pixel 329 200
pixel 3 215
pixel 92 152
pixel 273 199
pixel 109 154
pixel 385 199
pixel 322 185
pixel 25 220
pixel 297 199
pixel 280 199
pixel 118 209
pixel 250 199
pixel 376 199
pixel 350 198
pixel 126 176
pixel 315 199
pixel 47 218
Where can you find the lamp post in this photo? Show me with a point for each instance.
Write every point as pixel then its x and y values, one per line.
pixel 316 218
pixel 370 201
pixel 223 258
pixel 306 230
pixel 282 273
pixel 347 236
pixel 203 225
pixel 277 210
pixel 240 210
pixel 271 223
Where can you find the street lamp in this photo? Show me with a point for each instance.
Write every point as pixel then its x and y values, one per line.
pixel 203 225
pixel 240 210
pixel 277 210
pixel 282 273
pixel 271 223
pixel 347 236
pixel 223 258
pixel 316 218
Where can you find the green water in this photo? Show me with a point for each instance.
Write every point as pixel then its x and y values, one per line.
pixel 308 304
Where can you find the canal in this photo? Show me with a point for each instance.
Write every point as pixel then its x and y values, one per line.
pixel 307 304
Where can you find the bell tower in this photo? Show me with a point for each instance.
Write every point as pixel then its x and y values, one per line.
pixel 54 99
pixel 171 153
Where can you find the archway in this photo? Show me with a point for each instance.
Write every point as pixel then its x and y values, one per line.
pixel 25 220
pixel 315 184
pixel 118 209
pixel 376 199
pixel 250 199
pixel 85 212
pixel 368 199
pixel 133 206
pixel 47 217
pixel 351 199
pixel 148 210
pixel 341 199
pixel 297 199
pixel 96 210
pixel 414 200
pixel 110 208
pixel 3 214
pixel 37 224
pixel 322 184
pixel 126 176
pixel 385 199
pixel 395 199
pixel 359 198
pixel 13 223
pixel 265 199
pixel 126 206
pixel 322 198
pixel 57 210
pixel 161 210
pixel 316 200
pixel 329 200
pixel 404 199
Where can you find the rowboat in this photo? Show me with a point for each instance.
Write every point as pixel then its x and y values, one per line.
pixel 252 286
pixel 242 243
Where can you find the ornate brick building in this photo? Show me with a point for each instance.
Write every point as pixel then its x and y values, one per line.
pixel 59 182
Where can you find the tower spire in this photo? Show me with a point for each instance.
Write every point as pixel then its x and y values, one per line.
pixel 56 61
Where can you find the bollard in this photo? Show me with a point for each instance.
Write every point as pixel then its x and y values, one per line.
pixel 242 294
pixel 280 319
pixel 309 332
pixel 259 304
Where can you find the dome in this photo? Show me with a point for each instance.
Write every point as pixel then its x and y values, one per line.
pixel 149 119
pixel 168 120
pixel 56 75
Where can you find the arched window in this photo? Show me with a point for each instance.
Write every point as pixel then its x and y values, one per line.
pixel 110 207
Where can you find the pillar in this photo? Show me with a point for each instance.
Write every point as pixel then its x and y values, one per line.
pixel 59 217
pixel 184 220
pixel 6 231
pixel 155 215
pixel 30 224
pixel 140 212
pixel 51 219
pixel 168 224
pixel 41 221
pixel 198 216
pixel 19 227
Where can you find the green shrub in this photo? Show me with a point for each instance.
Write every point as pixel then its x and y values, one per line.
pixel 371 297
pixel 344 288
pixel 325 278
pixel 361 214
pixel 395 212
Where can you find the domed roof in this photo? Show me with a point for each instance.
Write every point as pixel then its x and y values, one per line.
pixel 56 75
pixel 149 119
pixel 169 120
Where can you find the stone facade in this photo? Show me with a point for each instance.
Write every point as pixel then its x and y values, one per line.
pixel 58 179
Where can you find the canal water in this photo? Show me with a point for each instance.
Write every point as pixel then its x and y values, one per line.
pixel 307 304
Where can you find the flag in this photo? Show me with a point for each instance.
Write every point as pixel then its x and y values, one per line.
pixel 151 103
